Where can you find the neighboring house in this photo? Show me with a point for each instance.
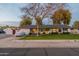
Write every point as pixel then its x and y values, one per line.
pixel 49 29
pixel 8 31
pixel 75 31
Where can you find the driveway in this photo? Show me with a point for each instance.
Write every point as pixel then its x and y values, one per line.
pixel 4 36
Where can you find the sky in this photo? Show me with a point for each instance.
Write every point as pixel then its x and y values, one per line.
pixel 11 12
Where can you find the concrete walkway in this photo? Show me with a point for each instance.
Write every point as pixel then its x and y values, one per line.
pixel 12 42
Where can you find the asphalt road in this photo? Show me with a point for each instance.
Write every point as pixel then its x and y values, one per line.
pixel 4 36
pixel 39 51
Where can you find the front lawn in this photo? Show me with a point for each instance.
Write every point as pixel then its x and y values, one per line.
pixel 51 37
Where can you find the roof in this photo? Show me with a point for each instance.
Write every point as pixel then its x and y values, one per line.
pixel 49 26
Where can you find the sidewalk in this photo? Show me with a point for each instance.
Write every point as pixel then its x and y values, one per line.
pixel 11 42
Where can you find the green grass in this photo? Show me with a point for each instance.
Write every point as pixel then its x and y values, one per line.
pixel 51 37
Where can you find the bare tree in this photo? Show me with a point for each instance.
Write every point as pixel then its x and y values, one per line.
pixel 39 11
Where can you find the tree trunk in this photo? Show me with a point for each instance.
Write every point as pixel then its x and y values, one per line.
pixel 37 30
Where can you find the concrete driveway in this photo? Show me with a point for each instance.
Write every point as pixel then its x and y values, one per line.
pixel 4 36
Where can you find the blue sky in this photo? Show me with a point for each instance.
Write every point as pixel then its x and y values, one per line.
pixel 74 8
pixel 11 12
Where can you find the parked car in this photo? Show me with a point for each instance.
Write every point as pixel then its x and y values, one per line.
pixel 22 32
pixel 2 32
pixel 18 34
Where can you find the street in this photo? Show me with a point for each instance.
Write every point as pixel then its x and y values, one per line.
pixel 39 51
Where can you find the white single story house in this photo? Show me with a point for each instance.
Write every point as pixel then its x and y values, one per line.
pixel 57 28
